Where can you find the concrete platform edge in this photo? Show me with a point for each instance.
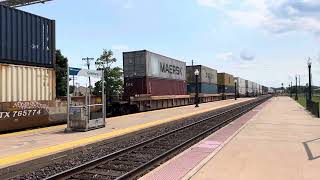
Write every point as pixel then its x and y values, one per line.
pixel 191 173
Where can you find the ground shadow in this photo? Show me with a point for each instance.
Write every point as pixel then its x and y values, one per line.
pixel 308 150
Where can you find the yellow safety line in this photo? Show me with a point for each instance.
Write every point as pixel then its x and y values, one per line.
pixel 32 131
pixel 81 142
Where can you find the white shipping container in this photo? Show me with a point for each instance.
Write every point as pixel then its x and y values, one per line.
pixel 249 87
pixel 271 90
pixel 26 83
pixel 147 64
pixel 260 89
pixel 255 88
pixel 241 86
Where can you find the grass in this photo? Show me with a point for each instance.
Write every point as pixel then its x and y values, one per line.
pixel 302 99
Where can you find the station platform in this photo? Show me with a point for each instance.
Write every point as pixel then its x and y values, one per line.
pixel 278 140
pixel 19 147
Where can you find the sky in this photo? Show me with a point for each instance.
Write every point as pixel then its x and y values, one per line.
pixel 265 41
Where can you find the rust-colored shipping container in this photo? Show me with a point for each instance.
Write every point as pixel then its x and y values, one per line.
pixel 26 83
pixel 30 114
pixel 225 79
pixel 153 86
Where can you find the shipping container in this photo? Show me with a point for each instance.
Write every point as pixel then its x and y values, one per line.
pixel 153 87
pixel 147 64
pixel 249 89
pixel 26 39
pixel 225 79
pixel 255 88
pixel 31 114
pixel 206 75
pixel 241 86
pixel 259 89
pixel 26 83
pixel 225 89
pixel 271 90
pixel 204 88
pixel 265 90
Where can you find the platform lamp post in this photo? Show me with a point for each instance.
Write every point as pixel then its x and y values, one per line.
pixel 196 73
pixel 296 97
pixel 306 91
pixel 235 89
pixel 310 85
pixel 291 89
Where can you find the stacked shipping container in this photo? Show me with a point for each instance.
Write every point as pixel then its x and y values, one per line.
pixel 255 88
pixel 241 86
pixel 249 90
pixel 27 56
pixel 225 83
pixel 26 39
pixel 207 80
pixel 25 83
pixel 153 74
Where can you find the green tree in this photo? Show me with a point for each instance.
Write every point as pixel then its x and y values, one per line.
pixel 112 75
pixel 61 74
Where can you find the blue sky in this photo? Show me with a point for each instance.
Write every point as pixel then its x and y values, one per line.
pixel 266 41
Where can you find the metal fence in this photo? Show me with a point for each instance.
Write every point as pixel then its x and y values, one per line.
pixel 313 107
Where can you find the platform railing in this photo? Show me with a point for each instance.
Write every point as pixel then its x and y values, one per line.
pixel 313 107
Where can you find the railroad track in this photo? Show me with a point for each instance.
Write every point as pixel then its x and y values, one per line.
pixel 135 160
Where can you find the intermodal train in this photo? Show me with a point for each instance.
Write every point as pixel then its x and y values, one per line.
pixel 151 81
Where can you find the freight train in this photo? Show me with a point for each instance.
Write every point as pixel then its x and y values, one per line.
pixel 151 81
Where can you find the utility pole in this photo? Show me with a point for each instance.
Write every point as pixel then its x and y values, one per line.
pixel 87 61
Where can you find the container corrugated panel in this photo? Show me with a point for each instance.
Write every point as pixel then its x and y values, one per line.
pixel 148 64
pixel 153 87
pixel 225 79
pixel 26 83
pixel 207 75
pixel 26 39
pixel 204 88
pixel 241 86
pixel 225 89
pixel 259 89
pixel 249 86
pixel 254 87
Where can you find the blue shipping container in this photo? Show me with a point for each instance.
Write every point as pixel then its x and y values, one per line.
pixel 203 88
pixel 225 89
pixel 26 39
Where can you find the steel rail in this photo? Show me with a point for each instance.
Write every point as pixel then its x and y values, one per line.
pixel 91 164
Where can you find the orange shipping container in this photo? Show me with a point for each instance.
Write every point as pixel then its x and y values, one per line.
pixel 225 79
pixel 26 83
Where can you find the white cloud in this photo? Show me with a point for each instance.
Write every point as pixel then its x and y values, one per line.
pixel 225 56
pixel 276 16
pixel 247 56
pixel 213 3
